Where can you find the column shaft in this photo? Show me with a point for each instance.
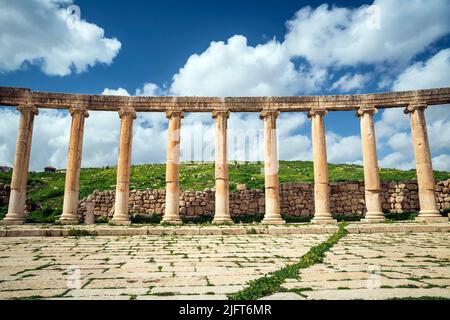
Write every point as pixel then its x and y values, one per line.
pixel 222 202
pixel 16 208
pixel 271 165
pixel 72 184
pixel 172 207
pixel 424 168
pixel 371 171
pixel 121 216
pixel 322 213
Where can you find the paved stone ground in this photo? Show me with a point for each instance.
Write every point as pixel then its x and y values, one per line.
pixel 360 266
pixel 142 267
pixel 378 266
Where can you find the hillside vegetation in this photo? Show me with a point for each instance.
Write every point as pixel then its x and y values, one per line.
pixel 47 189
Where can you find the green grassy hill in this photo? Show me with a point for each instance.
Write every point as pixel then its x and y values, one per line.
pixel 48 188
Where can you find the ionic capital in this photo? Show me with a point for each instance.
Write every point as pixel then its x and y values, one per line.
pixel 31 108
pixel 127 112
pixel 221 113
pixel 317 112
pixel 366 110
pixel 269 113
pixel 174 113
pixel 79 110
pixel 415 107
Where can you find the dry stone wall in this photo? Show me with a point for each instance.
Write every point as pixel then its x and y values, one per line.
pixel 4 194
pixel 297 199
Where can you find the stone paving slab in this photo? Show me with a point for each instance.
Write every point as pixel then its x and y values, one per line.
pixel 142 267
pixel 379 266
pixel 42 230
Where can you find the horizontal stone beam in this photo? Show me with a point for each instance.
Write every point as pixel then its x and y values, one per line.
pixel 20 96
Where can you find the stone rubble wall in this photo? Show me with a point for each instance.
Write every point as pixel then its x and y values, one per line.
pixel 5 190
pixel 297 199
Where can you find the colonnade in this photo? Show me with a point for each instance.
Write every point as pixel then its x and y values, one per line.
pixel 322 214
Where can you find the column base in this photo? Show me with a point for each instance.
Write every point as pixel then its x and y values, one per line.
pixel 274 220
pixel 12 221
pixel 373 217
pixel 324 220
pixel 172 220
pixel 431 216
pixel 68 221
pixel 222 220
pixel 120 222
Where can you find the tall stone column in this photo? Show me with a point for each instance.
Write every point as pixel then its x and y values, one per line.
pixel 172 209
pixel 322 213
pixel 222 213
pixel 72 186
pixel 371 171
pixel 424 168
pixel 272 184
pixel 121 217
pixel 16 209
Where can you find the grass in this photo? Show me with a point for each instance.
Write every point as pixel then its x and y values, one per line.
pixel 47 189
pixel 272 282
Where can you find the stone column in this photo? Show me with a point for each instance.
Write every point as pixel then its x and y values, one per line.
pixel 371 171
pixel 425 178
pixel 121 217
pixel 72 186
pixel 272 184
pixel 322 213
pixel 222 213
pixel 172 208
pixel 16 209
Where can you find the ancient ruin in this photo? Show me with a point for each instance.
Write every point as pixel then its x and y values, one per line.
pixel 28 103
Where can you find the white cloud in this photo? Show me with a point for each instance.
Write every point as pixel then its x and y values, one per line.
pixel 43 33
pixel 391 31
pixel 394 130
pixel 434 73
pixel 351 82
pixel 235 68
pixel 116 92
pixel 343 149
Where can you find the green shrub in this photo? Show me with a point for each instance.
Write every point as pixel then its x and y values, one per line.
pixel 3 212
pixel 140 218
pixel 46 215
pixel 346 217
pixel 198 220
pixel 292 219
pixel 102 220
pixel 248 218
pixel 404 216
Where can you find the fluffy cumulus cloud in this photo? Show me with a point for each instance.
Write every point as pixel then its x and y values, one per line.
pixel 349 82
pixel 393 129
pixel 386 31
pixel 45 33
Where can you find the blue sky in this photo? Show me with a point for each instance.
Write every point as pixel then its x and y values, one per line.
pixel 325 50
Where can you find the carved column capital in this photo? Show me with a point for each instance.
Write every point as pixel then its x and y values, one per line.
pixel 127 112
pixel 415 106
pixel 366 109
pixel 269 113
pixel 28 108
pixel 79 110
pixel 317 112
pixel 174 113
pixel 221 113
